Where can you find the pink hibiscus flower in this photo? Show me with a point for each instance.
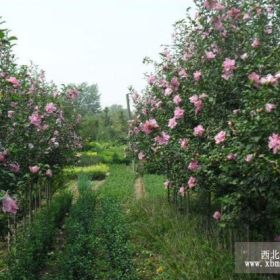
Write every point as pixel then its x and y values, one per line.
pixel 193 165
pixel 269 107
pixel 184 143
pixel 179 113
pixel 9 205
pixel 149 126
pixel 14 82
pixel 50 108
pixel 217 215
pixel 172 123
pixel 274 143
pixel 220 137
pixel 35 119
pixel 34 169
pixel 192 182
pixel 162 139
pixel 197 75
pixel 177 99
pixel 198 131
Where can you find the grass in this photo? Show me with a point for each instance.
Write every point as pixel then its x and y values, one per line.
pixel 172 245
pixel 154 185
pixel 120 184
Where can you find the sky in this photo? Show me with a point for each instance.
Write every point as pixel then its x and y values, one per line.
pixel 92 41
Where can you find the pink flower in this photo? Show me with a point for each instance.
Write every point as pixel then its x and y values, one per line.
pixel 34 169
pixel 151 80
pixel 217 215
pixel 9 205
pixel 193 165
pixel 210 55
pixel 50 108
pixel 256 43
pixel 274 143
pixel 197 102
pixel 149 126
pixel 168 91
pixel 177 99
pixel 172 123
pixel 182 73
pixel 197 75
pixel 249 158
pixel 175 83
pixel 269 107
pixel 231 156
pixel 228 68
pixel 269 80
pixel 2 157
pixel 14 82
pixel 194 98
pixel 213 5
pixel 192 182
pixel 198 131
pixel 229 65
pixel 220 137
pixel 218 24
pixel 72 94
pixel 255 78
pixel 234 13
pixel 227 75
pixel 184 143
pixel 162 139
pixel 179 113
pixel 14 167
pixel 35 119
pixel 182 191
pixel 49 173
pixel 11 114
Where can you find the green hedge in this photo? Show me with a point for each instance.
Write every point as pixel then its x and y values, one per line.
pixel 28 253
pixel 94 172
pixel 109 153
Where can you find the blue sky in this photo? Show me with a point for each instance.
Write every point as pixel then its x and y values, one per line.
pixel 101 42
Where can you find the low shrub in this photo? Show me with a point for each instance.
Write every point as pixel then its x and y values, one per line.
pixel 78 258
pixel 112 226
pixel 29 251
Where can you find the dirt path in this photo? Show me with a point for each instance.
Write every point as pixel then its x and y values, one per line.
pixel 139 188
pixel 97 184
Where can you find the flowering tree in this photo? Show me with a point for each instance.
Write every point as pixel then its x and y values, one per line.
pixel 209 116
pixel 36 137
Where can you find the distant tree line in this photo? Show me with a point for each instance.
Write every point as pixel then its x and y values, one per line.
pixel 97 123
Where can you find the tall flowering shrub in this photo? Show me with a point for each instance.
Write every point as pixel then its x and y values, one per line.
pixel 36 137
pixel 209 116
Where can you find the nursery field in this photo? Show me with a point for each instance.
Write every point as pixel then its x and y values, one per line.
pixel 118 227
pixel 165 190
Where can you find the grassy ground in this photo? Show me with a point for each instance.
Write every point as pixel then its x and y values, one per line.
pixel 171 245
